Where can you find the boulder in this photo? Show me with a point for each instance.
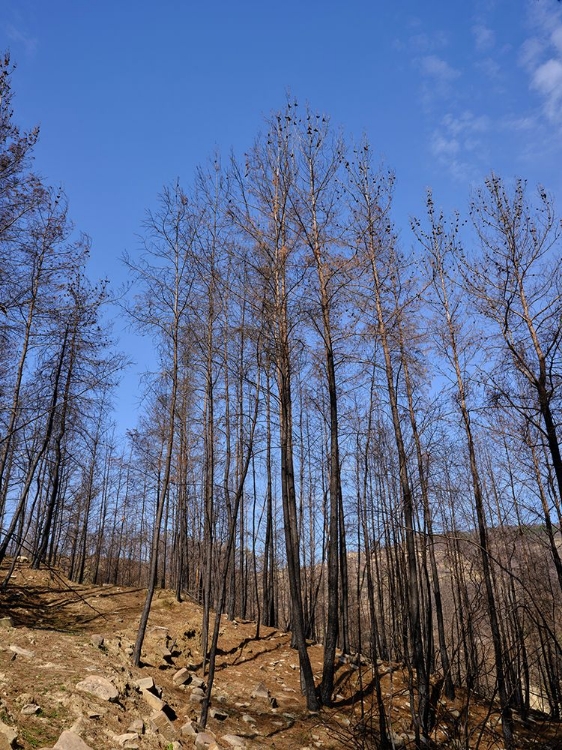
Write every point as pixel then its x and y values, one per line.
pixel 100 687
pixel 124 740
pixel 145 684
pixel 30 709
pixel 70 741
pixel 160 723
pixel 9 734
pixel 188 729
pixel 156 703
pixel 182 676
pixel 136 726
pixel 204 741
pixel 233 740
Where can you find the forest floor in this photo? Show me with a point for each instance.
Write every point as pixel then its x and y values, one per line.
pixel 52 641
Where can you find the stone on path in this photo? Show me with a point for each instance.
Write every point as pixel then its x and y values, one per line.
pixel 30 709
pixel 261 691
pixel 70 741
pixel 9 734
pixel 160 723
pixel 100 687
pixel 125 739
pixel 188 729
pixel 145 684
pixel 22 651
pixel 233 740
pixel 156 703
pixel 205 740
pixel 197 695
pixel 136 726
pixel 97 641
pixel 182 676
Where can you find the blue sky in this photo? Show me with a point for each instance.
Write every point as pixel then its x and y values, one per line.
pixel 131 95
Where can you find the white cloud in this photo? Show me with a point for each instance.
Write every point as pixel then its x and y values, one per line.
pixel 457 144
pixel 466 122
pixel 541 57
pixel 484 37
pixel 547 79
pixel 524 124
pixel 556 38
pixel 29 43
pixel 443 147
pixel 439 69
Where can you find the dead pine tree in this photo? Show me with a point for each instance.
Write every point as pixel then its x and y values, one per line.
pixel 163 277
pixel 261 214
pixel 440 241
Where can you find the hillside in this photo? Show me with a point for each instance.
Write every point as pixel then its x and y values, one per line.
pixel 51 635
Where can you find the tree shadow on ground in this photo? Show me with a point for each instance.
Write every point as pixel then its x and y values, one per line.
pixel 58 606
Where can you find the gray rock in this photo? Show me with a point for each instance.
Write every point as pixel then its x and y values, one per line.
pixel 123 739
pixel 233 740
pixel 100 687
pixel 160 723
pixel 156 703
pixel 182 676
pixel 70 741
pixel 30 709
pixel 145 684
pixel 197 681
pixel 204 740
pixel 188 729
pixel 260 691
pixel 97 641
pixel 136 726
pixel 248 719
pixel 9 733
pixel 22 651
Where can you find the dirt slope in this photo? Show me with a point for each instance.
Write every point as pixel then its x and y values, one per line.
pixel 54 645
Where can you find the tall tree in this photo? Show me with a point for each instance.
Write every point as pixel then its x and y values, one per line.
pixel 373 232
pixel 164 275
pixel 517 286
pixel 440 241
pixel 264 193
pixel 318 157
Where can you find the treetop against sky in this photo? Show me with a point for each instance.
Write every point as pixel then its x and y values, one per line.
pixel 130 96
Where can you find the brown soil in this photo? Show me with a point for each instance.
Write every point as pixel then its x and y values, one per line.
pixel 55 620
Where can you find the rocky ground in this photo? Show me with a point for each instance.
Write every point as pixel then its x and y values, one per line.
pixel 67 681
